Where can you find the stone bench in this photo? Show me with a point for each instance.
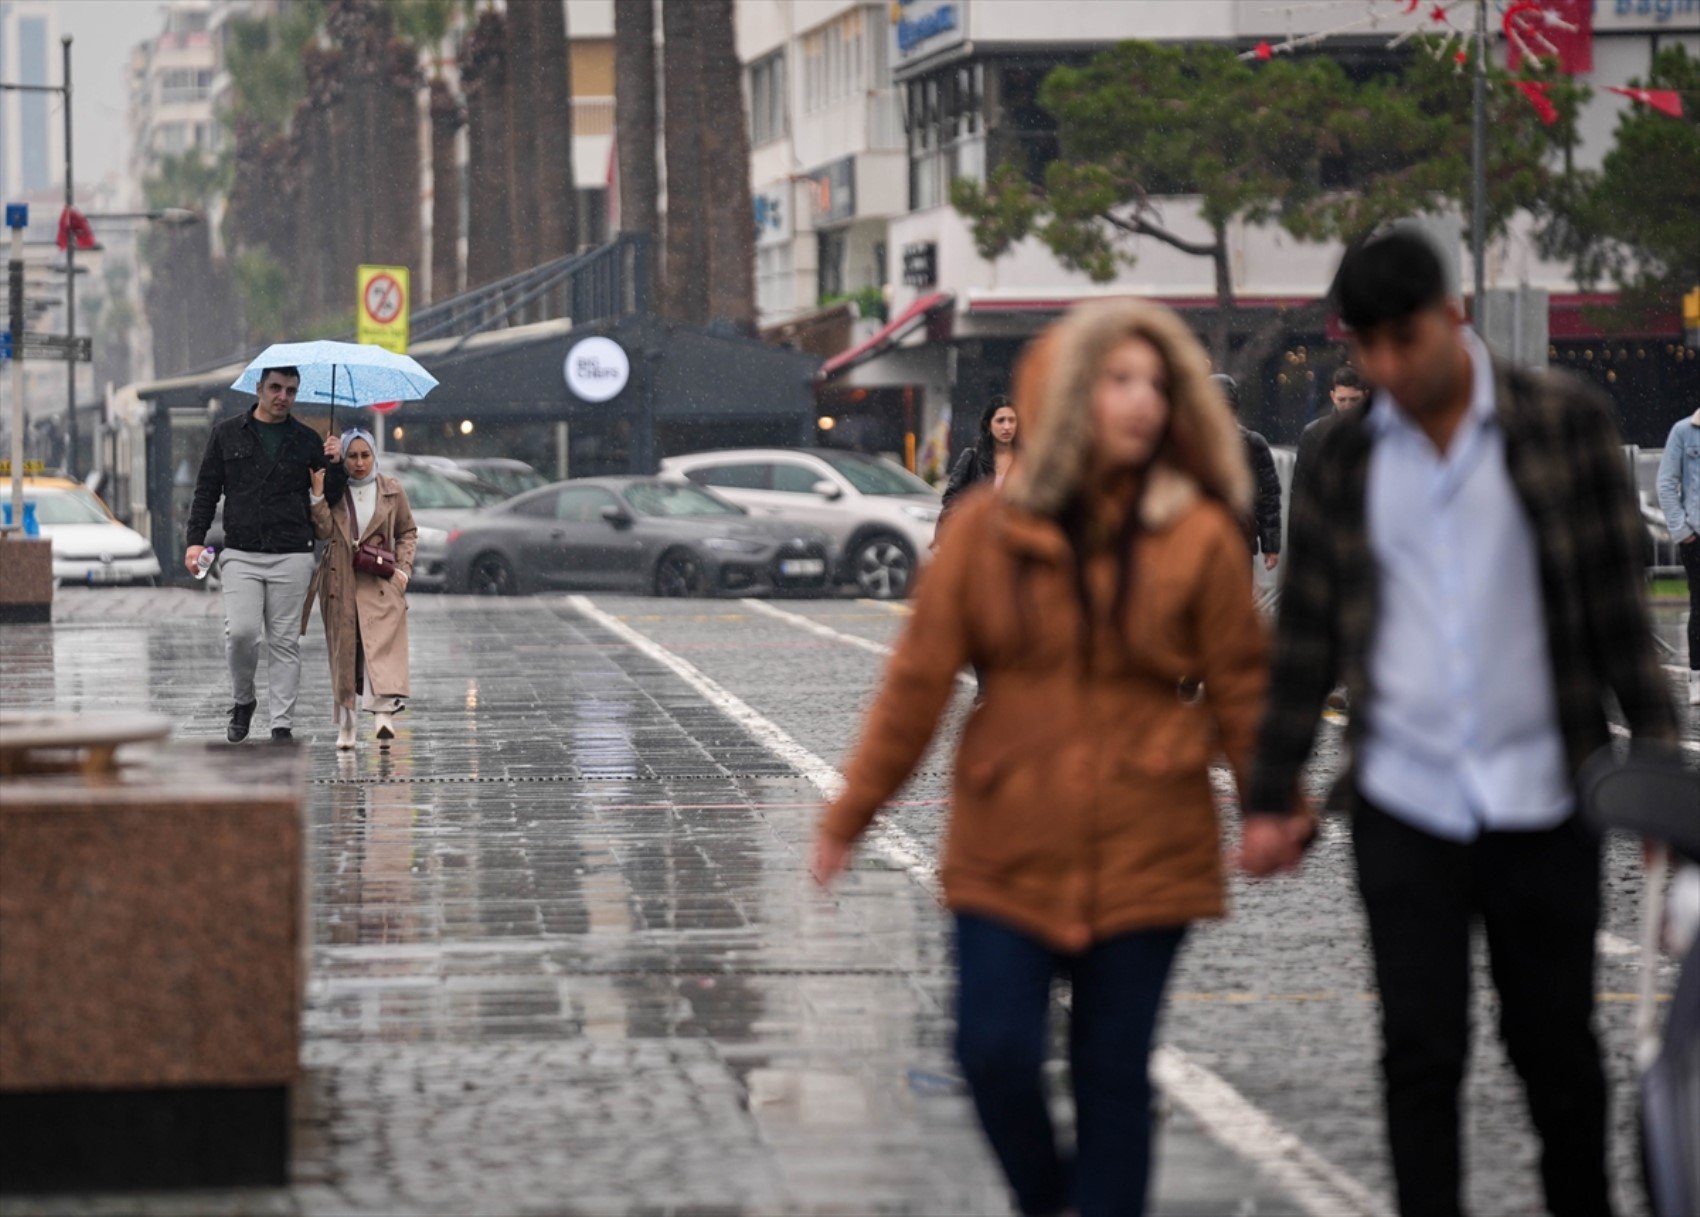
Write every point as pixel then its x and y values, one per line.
pixel 153 939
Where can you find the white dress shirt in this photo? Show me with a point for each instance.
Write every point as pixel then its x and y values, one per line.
pixel 1461 733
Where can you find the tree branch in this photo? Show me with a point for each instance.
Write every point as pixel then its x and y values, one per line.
pixel 1140 226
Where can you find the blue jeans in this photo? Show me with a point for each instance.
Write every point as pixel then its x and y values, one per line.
pixel 1003 1001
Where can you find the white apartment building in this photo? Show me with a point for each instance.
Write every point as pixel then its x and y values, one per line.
pixel 827 163
pixel 969 73
pixel 172 76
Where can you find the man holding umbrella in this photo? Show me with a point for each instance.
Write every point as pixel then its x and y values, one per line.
pixel 261 463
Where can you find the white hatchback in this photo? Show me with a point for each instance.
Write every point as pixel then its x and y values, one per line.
pixel 879 515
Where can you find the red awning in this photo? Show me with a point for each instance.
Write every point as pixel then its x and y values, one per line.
pixel 888 335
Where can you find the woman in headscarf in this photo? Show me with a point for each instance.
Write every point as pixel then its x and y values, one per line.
pixel 1104 593
pixel 365 610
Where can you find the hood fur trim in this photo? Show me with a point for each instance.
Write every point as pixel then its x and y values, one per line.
pixel 1203 455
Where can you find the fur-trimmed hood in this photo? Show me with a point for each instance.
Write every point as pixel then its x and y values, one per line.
pixel 1203 453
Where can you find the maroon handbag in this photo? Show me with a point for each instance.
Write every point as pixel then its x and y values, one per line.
pixel 370 558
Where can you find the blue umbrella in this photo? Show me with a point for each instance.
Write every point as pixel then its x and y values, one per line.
pixel 342 373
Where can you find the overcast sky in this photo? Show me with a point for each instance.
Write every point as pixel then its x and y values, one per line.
pixel 103 32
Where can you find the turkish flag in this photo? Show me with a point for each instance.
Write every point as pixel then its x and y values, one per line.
pixel 1665 101
pixel 1561 29
pixel 1536 92
pixel 73 225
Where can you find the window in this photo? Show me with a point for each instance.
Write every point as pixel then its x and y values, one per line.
pixel 831 251
pixel 773 279
pixel 677 499
pixel 945 119
pixel 796 479
pixel 835 68
pixel 173 138
pixel 536 507
pixel 872 475
pixel 583 504
pixel 179 85
pixel 767 99
pixel 733 477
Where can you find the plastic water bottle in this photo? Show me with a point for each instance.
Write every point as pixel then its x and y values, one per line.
pixel 204 563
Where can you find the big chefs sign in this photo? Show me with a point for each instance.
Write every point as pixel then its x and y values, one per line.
pixel 920 27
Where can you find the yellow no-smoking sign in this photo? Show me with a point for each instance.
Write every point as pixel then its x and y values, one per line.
pixel 382 307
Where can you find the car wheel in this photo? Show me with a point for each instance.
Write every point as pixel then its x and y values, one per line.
pixel 490 575
pixel 883 567
pixel 680 573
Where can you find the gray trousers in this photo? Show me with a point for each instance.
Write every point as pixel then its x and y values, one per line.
pixel 263 597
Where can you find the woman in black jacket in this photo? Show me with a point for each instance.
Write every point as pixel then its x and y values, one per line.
pixel 992 454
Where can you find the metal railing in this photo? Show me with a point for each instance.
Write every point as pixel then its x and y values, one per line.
pixel 611 280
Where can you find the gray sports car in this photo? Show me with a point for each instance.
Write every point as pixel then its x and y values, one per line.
pixel 633 534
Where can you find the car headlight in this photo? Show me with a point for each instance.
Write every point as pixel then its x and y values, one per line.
pixel 927 515
pixel 433 536
pixel 732 545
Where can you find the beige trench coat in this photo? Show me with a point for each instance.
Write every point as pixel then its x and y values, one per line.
pixel 377 605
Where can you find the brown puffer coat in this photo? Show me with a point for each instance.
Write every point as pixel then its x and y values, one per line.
pixel 1082 805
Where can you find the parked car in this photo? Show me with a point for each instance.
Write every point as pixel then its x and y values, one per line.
pixel 513 477
pixel 879 515
pixel 665 537
pixel 89 544
pixel 441 502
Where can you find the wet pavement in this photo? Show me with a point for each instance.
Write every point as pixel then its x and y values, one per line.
pixel 567 958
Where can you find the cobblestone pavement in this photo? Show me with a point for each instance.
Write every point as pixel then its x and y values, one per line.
pixel 567 960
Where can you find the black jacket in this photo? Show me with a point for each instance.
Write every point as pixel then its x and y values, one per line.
pixel 974 466
pixel 265 502
pixel 1266 536
pixel 1310 440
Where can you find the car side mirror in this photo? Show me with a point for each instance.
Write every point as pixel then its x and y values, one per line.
pixel 617 517
pixel 827 490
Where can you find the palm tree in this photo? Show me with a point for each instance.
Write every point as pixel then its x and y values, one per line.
pixel 189 297
pixel 634 120
pixel 726 162
pixel 448 116
pixel 686 283
pixel 552 132
pixel 521 100
pixel 483 73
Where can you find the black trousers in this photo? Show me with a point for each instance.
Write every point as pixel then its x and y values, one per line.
pixel 1537 896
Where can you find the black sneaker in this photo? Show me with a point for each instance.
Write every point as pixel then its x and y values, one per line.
pixel 240 717
pixel 282 735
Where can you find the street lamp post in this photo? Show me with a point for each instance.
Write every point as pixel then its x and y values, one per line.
pixel 70 288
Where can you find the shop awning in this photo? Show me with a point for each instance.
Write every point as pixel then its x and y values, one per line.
pixel 888 335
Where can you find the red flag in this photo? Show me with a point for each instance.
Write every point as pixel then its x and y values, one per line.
pixel 1263 50
pixel 1665 101
pixel 74 225
pixel 1551 29
pixel 1536 92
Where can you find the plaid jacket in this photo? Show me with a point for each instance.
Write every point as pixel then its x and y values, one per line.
pixel 1564 456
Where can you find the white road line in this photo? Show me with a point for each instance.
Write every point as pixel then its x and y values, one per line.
pixel 1317 1185
pixel 826 631
pixel 898 846
pixel 1320 1187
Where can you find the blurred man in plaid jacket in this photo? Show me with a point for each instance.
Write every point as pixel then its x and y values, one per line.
pixel 1465 555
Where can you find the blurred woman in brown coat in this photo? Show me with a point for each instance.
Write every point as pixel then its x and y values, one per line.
pixel 1104 593
pixel 365 614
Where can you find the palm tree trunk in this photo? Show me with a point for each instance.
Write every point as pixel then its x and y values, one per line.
pixel 726 163
pixel 521 100
pixel 447 118
pixel 634 121
pixel 483 72
pixel 686 297
pixel 552 148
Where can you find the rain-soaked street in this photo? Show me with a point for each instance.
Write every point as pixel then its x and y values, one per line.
pixel 566 957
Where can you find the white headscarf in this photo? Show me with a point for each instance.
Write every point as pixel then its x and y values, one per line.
pixel 348 437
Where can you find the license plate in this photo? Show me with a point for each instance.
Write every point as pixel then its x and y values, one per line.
pixel 104 574
pixel 802 566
